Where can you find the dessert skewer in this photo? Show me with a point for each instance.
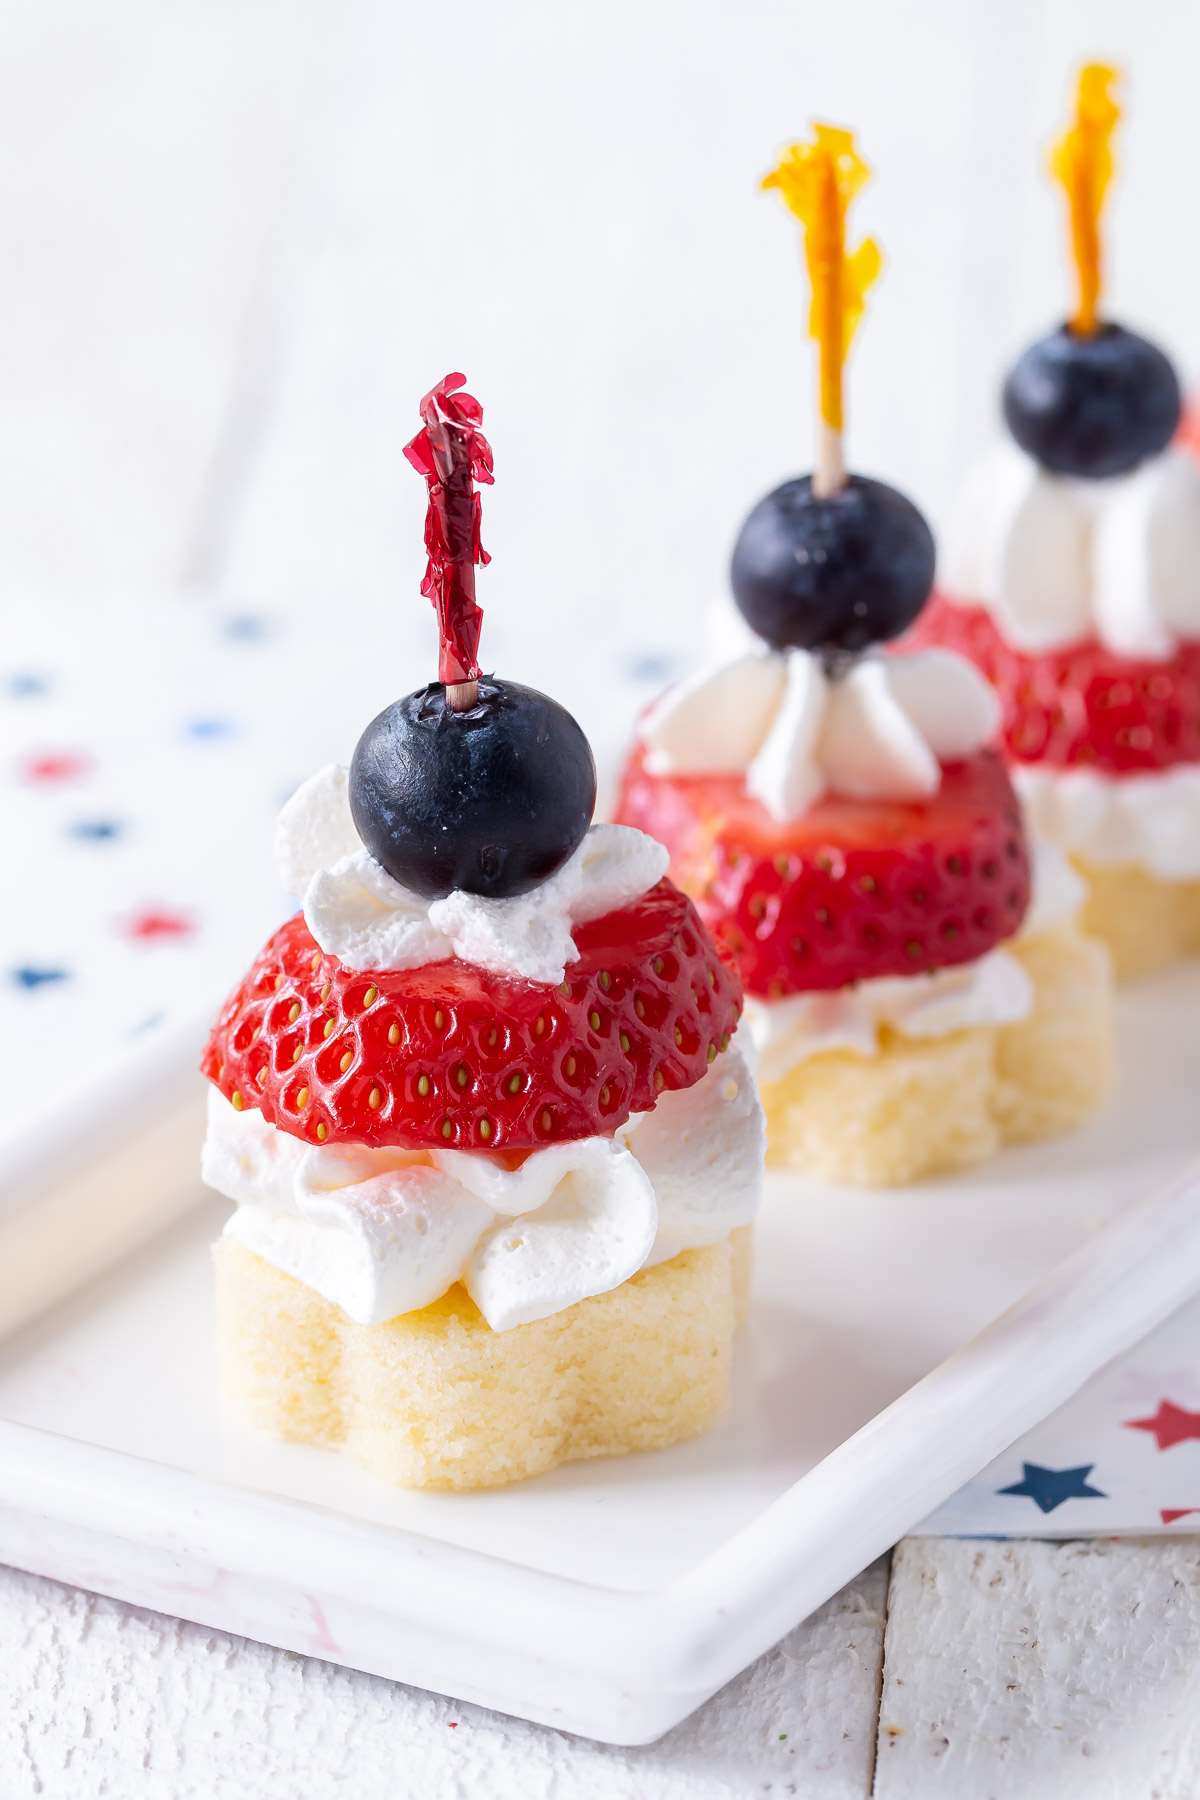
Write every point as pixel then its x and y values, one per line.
pixel 493 1149
pixel 1073 582
pixel 850 836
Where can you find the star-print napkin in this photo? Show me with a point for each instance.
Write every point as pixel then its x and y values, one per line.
pixel 146 745
pixel 1121 1457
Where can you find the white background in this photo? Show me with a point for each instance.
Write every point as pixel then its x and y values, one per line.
pixel 238 240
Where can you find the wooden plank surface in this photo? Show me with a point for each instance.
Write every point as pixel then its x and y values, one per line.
pixel 1014 1671
pixel 1042 1671
pixel 98 1698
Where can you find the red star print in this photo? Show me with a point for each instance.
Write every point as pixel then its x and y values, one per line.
pixel 1171 1424
pixel 157 924
pixel 1169 1514
pixel 51 766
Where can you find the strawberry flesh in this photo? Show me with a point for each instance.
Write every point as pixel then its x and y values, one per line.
pixel 1081 706
pixel 852 890
pixel 452 1056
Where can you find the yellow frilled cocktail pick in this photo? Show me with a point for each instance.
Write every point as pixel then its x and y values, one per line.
pixel 1082 161
pixel 818 182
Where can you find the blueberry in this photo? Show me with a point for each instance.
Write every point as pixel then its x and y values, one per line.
pixel 1095 405
pixel 491 801
pixel 834 574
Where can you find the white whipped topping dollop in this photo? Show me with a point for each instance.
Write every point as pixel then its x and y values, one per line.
pixel 880 731
pixel 385 1232
pixel 1059 559
pixel 358 913
pixel 1057 891
pixel 1150 819
pixel 994 990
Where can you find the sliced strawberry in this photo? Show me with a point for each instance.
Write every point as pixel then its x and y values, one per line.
pixel 1188 435
pixel 449 1055
pixel 853 889
pixel 1080 707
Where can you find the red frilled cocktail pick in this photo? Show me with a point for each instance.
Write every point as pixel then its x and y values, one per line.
pixel 453 454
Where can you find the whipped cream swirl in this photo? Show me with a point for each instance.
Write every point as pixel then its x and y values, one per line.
pixel 384 1232
pixel 882 730
pixel 1059 559
pixel 995 990
pixel 358 913
pixel 1150 819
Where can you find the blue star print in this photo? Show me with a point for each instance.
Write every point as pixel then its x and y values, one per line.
pixel 246 628
pixel 28 977
pixel 1048 1488
pixel 651 666
pixel 209 730
pixel 26 686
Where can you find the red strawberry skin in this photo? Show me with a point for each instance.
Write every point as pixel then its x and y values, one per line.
pixel 449 1056
pixel 1082 706
pixel 854 889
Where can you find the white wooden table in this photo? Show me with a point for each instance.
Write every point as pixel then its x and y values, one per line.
pixel 237 242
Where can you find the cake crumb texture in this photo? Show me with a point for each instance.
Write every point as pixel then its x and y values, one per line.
pixel 1147 923
pixel 437 1399
pixel 923 1106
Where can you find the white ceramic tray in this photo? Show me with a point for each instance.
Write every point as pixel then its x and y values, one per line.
pixel 611 1598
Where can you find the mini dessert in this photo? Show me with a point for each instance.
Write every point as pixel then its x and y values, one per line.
pixel 494 1150
pixel 1075 586
pixel 846 830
